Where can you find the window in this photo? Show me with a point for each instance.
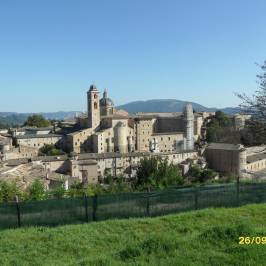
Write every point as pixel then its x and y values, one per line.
pixel 95 96
pixel 169 138
pixel 95 105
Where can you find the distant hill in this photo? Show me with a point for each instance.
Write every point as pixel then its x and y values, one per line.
pixel 8 119
pixel 158 106
pixel 169 105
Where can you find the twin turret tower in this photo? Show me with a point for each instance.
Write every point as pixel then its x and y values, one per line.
pixel 188 127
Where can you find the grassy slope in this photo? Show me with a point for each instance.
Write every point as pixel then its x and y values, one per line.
pixel 206 237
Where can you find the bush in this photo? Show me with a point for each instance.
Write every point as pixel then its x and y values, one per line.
pixel 50 150
pixel 59 193
pixel 201 175
pixel 156 172
pixel 9 190
pixel 37 121
pixel 37 191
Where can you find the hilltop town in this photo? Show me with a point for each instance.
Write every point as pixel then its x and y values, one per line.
pixel 106 141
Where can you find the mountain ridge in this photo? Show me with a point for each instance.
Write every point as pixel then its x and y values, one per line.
pixel 170 105
pixel 149 106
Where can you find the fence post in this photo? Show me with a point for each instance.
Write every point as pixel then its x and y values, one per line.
pixel 196 193
pixel 86 207
pixel 18 211
pixel 94 207
pixel 148 204
pixel 237 190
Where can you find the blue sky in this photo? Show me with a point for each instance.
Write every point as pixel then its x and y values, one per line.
pixel 202 51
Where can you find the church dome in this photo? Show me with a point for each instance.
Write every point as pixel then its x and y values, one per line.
pixel 105 101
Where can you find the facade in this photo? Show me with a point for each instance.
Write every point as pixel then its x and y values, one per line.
pixel 19 152
pixel 15 132
pixel 240 120
pixel 226 158
pixel 38 141
pixel 256 162
pixel 230 158
pixel 111 130
pixel 89 168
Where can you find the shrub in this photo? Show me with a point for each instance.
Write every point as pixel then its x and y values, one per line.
pixel 50 150
pixel 37 191
pixel 156 172
pixel 201 175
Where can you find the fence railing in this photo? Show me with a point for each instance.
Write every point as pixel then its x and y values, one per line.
pixel 54 212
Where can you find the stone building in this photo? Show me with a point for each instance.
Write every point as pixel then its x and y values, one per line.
pixel 89 168
pixel 112 130
pixel 240 120
pixel 38 141
pixel 226 158
pixel 15 132
pixel 235 158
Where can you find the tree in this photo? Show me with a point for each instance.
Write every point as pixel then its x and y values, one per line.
pixel 254 133
pixel 221 129
pixel 37 191
pixel 256 104
pixel 8 191
pixel 201 175
pixel 156 172
pixel 37 121
pixel 50 150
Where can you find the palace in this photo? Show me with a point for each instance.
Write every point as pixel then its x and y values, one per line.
pixel 104 140
pixel 105 129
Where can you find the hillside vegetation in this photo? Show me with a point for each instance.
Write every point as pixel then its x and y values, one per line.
pixel 206 237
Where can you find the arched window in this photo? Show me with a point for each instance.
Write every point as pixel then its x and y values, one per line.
pixel 95 106
pixel 95 96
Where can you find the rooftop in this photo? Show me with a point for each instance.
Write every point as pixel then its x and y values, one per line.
pixel 168 133
pixel 34 136
pixel 225 146
pixel 256 157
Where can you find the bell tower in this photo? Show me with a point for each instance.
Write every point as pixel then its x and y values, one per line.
pixel 93 107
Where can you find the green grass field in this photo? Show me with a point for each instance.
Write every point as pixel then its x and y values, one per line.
pixel 205 237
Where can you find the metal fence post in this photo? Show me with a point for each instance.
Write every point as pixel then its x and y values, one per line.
pixel 94 207
pixel 196 193
pixel 237 190
pixel 86 207
pixel 148 204
pixel 18 211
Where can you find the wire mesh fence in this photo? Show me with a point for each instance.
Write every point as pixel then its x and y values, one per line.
pixel 55 212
